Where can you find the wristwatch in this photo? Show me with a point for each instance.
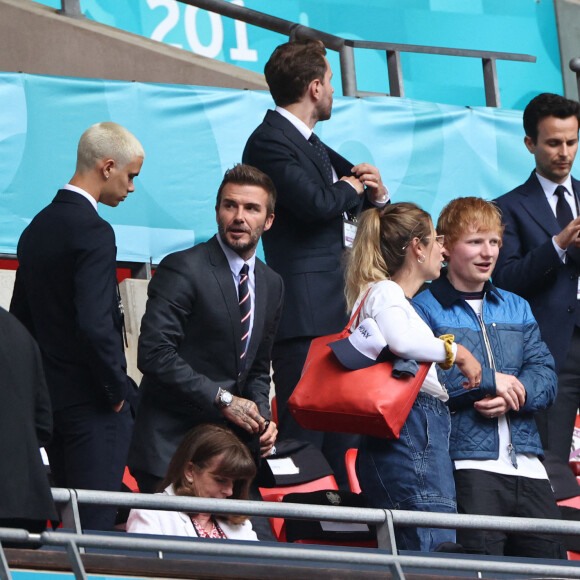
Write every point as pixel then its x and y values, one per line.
pixel 224 399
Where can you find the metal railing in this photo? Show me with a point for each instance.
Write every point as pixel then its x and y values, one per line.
pixel 71 8
pixel 575 67
pixel 345 48
pixel 386 557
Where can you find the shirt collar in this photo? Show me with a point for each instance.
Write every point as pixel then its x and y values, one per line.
pixel 446 294
pixel 234 260
pixel 82 192
pixel 549 187
pixel 300 125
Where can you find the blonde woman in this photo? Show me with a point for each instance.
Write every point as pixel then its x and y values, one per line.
pixel 395 252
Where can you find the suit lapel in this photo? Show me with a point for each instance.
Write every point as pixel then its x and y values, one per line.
pixel 533 202
pixel 223 276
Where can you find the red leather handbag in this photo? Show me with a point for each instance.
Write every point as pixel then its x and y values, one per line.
pixel 369 401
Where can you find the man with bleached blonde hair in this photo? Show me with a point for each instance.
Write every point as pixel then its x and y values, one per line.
pixel 104 140
pixel 66 295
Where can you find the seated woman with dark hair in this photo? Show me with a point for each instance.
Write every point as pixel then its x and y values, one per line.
pixel 210 462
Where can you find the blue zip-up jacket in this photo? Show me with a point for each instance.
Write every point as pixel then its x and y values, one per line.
pixel 517 348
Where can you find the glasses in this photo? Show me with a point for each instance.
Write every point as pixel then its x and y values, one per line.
pixel 440 239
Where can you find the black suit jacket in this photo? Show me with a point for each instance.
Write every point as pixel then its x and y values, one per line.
pixel 190 345
pixel 529 265
pixel 304 244
pixel 25 423
pixel 66 295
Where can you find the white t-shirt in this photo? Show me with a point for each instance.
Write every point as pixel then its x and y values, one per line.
pixel 406 333
pixel 528 464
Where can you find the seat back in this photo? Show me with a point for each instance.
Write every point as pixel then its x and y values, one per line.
pixel 277 494
pixel 350 460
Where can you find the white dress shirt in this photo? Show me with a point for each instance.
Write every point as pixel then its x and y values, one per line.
pixel 549 188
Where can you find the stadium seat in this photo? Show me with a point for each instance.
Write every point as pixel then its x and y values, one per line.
pixel 129 481
pixel 274 407
pixel 278 525
pixel 571 502
pixel 277 493
pixel 350 459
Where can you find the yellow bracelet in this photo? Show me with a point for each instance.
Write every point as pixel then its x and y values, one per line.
pixel 447 341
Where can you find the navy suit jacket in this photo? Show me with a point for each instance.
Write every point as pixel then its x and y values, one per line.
pixel 66 295
pixel 190 344
pixel 25 424
pixel 529 265
pixel 304 244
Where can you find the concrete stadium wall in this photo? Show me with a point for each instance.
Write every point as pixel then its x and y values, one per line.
pixel 36 39
pixel 6 286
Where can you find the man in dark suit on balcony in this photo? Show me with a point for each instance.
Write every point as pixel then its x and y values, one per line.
pixel 540 261
pixel 320 195
pixel 204 358
pixel 66 295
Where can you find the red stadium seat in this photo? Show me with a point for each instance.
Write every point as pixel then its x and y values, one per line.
pixel 277 493
pixel 350 460
pixel 129 481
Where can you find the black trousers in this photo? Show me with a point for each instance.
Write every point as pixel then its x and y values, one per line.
pixel 288 357
pixel 556 425
pixel 484 493
pixel 89 450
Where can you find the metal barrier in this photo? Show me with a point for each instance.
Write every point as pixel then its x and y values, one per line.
pixel 575 67
pixel 385 557
pixel 71 8
pixel 345 48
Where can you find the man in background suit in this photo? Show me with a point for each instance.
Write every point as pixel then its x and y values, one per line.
pixel 199 363
pixel 540 261
pixel 320 195
pixel 25 424
pixel 66 295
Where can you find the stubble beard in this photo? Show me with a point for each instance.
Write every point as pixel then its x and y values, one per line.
pixel 238 246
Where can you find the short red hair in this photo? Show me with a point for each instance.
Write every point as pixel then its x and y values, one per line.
pixel 468 215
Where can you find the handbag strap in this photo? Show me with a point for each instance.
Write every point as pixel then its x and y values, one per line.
pixel 355 315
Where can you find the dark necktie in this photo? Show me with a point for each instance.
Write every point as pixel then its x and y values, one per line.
pixel 563 210
pixel 564 217
pixel 322 154
pixel 245 310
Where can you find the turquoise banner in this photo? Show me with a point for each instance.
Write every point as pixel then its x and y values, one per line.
pixel 427 153
pixel 520 26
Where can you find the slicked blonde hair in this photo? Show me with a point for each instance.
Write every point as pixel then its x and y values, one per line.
pixel 381 243
pixel 107 140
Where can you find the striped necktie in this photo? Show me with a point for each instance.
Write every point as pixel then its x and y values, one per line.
pixel 245 310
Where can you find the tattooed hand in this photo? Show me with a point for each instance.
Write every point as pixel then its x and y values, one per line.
pixel 245 414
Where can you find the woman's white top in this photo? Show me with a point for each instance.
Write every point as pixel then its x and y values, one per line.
pixel 407 335
pixel 169 523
